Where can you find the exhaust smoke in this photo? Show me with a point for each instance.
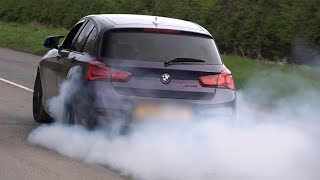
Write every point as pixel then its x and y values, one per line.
pixel 271 140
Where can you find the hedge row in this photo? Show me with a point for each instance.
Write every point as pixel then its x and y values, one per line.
pixel 253 28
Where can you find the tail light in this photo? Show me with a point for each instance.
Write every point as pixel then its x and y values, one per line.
pixel 118 75
pixel 97 70
pixel 224 79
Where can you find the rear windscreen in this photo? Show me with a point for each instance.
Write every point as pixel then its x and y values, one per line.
pixel 159 47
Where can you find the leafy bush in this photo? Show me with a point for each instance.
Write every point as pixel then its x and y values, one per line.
pixel 252 28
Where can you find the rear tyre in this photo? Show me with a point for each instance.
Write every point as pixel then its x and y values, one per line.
pixel 39 114
pixel 127 126
pixel 85 119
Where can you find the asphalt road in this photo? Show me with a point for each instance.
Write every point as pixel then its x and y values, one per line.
pixel 18 158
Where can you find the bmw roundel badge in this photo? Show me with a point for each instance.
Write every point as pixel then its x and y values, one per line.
pixel 165 78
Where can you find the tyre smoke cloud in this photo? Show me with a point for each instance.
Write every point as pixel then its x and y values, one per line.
pixel 277 142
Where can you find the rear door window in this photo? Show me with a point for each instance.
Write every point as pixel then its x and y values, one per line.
pixel 159 47
pixel 67 43
pixel 90 40
pixel 79 42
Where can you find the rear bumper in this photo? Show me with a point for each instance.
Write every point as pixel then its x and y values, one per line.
pixel 108 101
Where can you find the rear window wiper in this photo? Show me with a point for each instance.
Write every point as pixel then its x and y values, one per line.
pixel 178 60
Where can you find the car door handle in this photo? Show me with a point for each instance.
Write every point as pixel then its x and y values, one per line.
pixel 59 57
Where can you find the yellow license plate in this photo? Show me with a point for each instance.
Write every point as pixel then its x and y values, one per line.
pixel 162 112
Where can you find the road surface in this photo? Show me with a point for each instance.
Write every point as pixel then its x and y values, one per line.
pixel 18 158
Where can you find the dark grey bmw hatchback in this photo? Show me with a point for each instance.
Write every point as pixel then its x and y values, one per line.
pixel 135 67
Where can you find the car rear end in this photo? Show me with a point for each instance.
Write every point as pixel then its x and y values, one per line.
pixel 133 80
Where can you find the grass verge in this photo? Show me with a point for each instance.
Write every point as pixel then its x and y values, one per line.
pixel 26 37
pixel 268 84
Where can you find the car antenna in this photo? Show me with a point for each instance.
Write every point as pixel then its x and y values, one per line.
pixel 156 22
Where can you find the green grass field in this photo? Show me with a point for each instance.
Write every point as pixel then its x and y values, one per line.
pixel 27 38
pixel 280 78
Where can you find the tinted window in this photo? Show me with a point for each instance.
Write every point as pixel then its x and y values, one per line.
pixel 78 44
pixel 67 42
pixel 90 40
pixel 159 47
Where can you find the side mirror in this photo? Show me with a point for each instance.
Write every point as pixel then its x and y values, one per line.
pixel 52 41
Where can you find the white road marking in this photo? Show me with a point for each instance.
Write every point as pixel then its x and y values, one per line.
pixel 17 85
